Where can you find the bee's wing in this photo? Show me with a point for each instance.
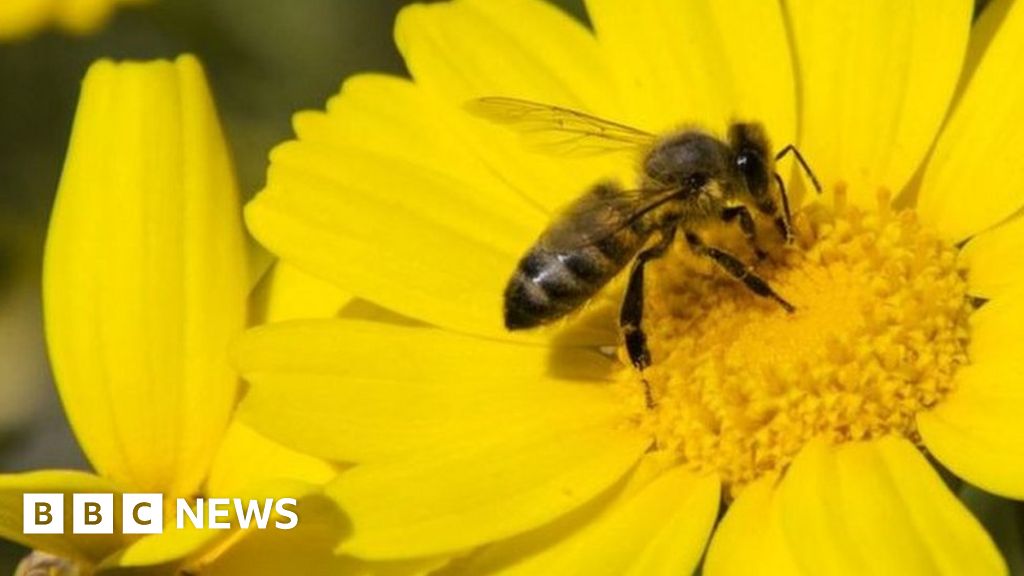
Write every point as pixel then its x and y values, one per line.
pixel 560 130
pixel 602 213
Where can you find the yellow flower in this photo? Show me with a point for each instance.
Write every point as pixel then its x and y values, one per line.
pixel 20 18
pixel 145 287
pixel 534 453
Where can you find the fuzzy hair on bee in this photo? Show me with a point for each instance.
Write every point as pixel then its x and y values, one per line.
pixel 688 179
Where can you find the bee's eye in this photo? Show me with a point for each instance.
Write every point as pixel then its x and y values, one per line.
pixel 748 161
pixel 754 172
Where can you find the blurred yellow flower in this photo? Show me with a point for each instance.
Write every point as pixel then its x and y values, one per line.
pixel 20 18
pixel 145 287
pixel 534 453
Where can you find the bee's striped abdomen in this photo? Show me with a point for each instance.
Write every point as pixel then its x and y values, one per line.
pixel 548 284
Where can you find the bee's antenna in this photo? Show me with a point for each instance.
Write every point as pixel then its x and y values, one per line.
pixel 803 164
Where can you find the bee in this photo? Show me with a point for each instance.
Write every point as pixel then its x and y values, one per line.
pixel 688 179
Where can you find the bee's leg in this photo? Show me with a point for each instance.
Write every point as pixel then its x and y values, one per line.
pixel 632 312
pixel 737 270
pixel 741 214
pixel 784 222
pixel 789 148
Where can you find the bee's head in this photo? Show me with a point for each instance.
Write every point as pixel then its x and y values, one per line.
pixel 753 161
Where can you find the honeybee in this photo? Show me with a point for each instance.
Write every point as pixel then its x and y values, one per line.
pixel 688 179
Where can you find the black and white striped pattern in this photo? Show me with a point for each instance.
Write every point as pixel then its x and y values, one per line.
pixel 547 284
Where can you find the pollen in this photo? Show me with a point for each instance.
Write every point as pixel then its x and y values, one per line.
pixel 740 385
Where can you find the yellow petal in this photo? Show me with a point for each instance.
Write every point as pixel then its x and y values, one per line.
pixel 287 293
pixel 983 30
pixel 876 78
pixel 458 453
pixel 653 526
pixel 750 541
pixel 386 198
pixel 248 463
pixel 366 391
pixel 997 328
pixel 144 280
pixel 995 259
pixel 451 49
pixel 878 507
pixel 973 179
pixel 247 466
pixel 165 549
pixel 701 62
pixel 977 431
pixel 19 18
pixel 406 124
pixel 406 236
pixel 402 124
pixel 545 55
pixel 82 16
pixel 308 549
pixel 454 497
pixel 89 548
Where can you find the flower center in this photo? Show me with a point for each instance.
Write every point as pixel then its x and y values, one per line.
pixel 741 385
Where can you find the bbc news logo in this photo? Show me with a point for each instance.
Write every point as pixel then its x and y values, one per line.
pixel 144 513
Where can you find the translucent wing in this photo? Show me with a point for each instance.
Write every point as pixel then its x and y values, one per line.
pixel 601 213
pixel 560 130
